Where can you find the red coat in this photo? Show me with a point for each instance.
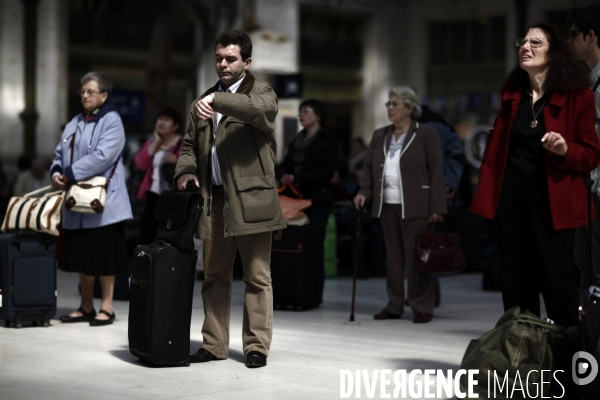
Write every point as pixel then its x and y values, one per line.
pixel 571 114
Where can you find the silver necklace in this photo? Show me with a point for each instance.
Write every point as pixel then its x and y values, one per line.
pixel 534 123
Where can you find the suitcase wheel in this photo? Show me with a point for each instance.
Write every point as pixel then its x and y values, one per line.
pixel 6 324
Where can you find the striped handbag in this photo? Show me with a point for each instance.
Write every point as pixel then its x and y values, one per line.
pixel 40 214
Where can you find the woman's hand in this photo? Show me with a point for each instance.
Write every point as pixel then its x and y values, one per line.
pixel 359 201
pixel 436 218
pixel 287 179
pixel 59 182
pixel 156 143
pixel 555 143
pixel 170 159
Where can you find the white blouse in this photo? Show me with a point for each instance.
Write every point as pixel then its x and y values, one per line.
pixel 157 160
pixel 392 185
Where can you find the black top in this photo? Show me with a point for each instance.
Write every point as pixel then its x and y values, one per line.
pixel 525 175
pixel 318 164
pixel 301 144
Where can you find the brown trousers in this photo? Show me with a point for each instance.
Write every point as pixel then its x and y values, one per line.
pixel 219 255
pixel 399 235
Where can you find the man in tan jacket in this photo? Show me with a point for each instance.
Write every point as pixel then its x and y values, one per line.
pixel 229 154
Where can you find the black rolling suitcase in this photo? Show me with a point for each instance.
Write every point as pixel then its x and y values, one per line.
pixel 293 272
pixel 160 308
pixel 27 278
pixel 162 283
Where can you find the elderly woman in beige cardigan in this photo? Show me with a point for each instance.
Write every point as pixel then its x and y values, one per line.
pixel 404 180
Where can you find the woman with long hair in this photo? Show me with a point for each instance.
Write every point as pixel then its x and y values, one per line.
pixel 531 183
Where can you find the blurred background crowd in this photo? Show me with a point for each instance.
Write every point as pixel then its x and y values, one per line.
pixel 346 53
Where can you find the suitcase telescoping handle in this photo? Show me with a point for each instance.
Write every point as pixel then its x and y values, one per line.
pixel 22 236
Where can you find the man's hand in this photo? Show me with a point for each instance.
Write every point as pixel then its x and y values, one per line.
pixel 436 218
pixel 287 179
pixel 184 179
pixel 203 108
pixel 555 143
pixel 359 201
pixel 449 193
pixel 59 182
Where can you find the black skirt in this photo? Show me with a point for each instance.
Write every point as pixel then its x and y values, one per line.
pixel 96 251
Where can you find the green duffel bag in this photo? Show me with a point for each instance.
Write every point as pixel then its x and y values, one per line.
pixel 510 358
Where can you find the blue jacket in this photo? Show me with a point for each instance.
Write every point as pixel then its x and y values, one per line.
pixel 98 144
pixel 452 151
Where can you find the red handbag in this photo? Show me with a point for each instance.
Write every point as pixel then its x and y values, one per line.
pixel 439 253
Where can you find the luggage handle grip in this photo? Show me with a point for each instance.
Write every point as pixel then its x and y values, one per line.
pixel 19 238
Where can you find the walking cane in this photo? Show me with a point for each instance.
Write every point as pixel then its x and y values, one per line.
pixel 356 244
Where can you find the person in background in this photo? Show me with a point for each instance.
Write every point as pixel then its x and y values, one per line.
pixel 453 164
pixel 157 159
pixel 585 44
pixel 358 154
pixel 32 179
pixel 309 164
pixel 94 244
pixel 403 174
pixel 531 182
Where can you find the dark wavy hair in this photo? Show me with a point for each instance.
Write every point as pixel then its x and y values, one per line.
pixel 317 106
pixel 564 73
pixel 239 38
pixel 172 113
pixel 587 19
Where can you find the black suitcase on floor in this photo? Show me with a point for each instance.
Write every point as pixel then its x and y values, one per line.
pixel 160 304
pixel 293 272
pixel 27 278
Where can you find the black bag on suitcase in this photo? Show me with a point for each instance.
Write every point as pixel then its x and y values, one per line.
pixel 178 214
pixel 27 278
pixel 293 274
pixel 160 307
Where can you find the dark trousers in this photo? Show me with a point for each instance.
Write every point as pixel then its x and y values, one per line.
pixel 318 214
pixel 148 223
pixel 534 256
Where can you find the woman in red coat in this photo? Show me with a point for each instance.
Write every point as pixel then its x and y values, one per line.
pixel 542 148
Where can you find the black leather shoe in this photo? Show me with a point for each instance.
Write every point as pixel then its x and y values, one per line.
pixel 85 316
pixel 385 314
pixel 422 318
pixel 102 322
pixel 256 359
pixel 202 355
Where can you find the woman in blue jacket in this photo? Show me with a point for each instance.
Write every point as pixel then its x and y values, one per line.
pixel 94 244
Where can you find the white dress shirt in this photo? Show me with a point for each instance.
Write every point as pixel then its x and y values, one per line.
pixel 216 169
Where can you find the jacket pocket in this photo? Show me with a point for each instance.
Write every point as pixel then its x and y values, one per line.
pixel 257 195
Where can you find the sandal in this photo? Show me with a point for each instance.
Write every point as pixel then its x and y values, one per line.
pixel 85 316
pixel 102 322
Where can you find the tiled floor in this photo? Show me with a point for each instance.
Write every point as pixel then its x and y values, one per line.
pixel 75 361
